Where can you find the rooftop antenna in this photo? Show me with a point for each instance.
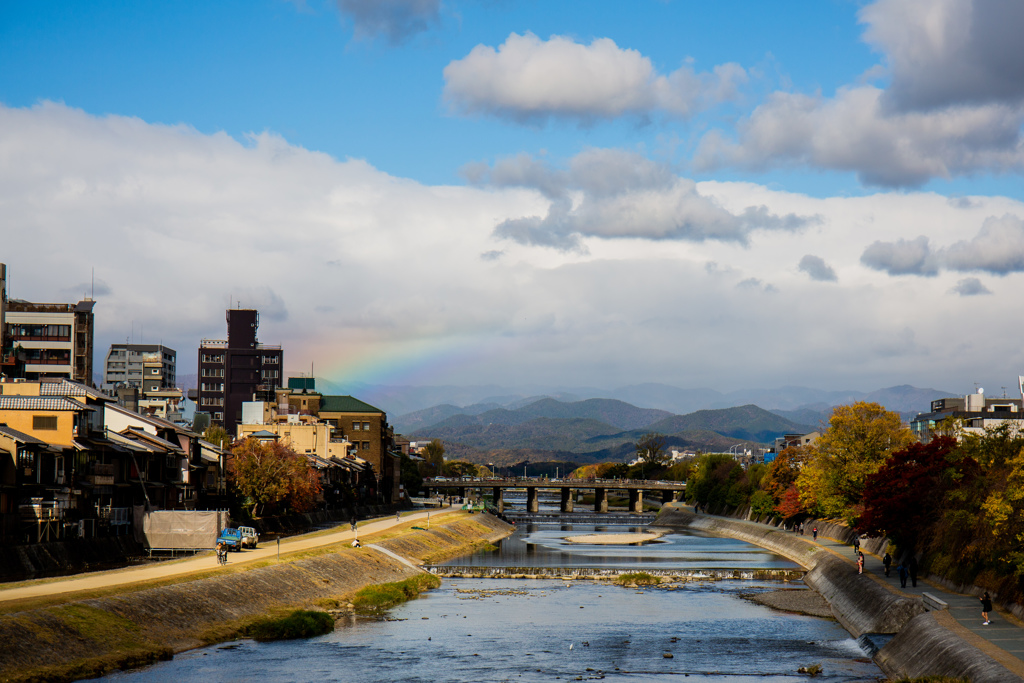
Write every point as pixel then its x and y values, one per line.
pixel 1004 392
pixel 92 290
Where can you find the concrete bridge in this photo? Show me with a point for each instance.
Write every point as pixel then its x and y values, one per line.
pixel 634 487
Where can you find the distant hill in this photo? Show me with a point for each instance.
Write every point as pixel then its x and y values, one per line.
pixel 748 423
pixel 564 431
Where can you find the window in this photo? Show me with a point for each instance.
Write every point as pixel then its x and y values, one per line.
pixel 355 426
pixel 44 422
pixel 366 445
pixel 218 416
pixel 366 426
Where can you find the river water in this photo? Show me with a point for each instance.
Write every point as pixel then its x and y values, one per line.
pixel 547 630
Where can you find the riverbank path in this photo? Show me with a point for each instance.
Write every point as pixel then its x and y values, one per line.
pixel 206 562
pixel 1003 639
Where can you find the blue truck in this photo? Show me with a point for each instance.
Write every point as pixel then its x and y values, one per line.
pixel 232 538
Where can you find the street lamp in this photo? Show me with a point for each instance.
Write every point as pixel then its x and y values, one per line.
pixel 491 465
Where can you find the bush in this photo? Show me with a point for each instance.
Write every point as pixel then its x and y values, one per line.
pixel 298 624
pixel 639 579
pixel 375 599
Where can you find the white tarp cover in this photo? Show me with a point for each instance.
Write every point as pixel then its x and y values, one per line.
pixel 179 529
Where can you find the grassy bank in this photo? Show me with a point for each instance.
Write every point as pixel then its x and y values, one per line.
pixel 381 597
pixel 71 637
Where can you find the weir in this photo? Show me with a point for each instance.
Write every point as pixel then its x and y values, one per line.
pixel 598 574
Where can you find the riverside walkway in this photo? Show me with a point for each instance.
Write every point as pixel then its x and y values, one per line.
pixel 206 563
pixel 1003 639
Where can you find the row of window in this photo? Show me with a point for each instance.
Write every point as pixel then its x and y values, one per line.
pixel 213 358
pixel 271 360
pixel 365 426
pixel 213 401
pixel 211 386
pixel 271 374
pixel 213 372
pixel 21 331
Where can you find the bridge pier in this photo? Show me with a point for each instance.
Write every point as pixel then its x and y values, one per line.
pixel 499 500
pixel 669 496
pixel 566 500
pixel 600 500
pixel 461 492
pixel 636 501
pixel 531 500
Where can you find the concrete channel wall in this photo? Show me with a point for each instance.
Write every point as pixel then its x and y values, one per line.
pixel 72 639
pixel 920 646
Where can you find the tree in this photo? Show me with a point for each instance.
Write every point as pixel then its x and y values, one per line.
pixel 433 459
pixel 459 468
pixel 905 496
pixel 218 436
pixel 269 475
pixel 860 437
pixel 650 449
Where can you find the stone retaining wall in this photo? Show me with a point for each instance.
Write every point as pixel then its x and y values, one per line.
pixel 920 647
pixel 86 637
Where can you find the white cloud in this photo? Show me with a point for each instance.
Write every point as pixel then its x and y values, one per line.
pixel 527 79
pixel 902 257
pixel 374 277
pixel 609 194
pixel 396 20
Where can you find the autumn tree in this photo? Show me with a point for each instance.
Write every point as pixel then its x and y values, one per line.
pixel 859 438
pixel 904 498
pixel 459 468
pixel 270 475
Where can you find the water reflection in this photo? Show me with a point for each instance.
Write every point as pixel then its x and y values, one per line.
pixel 544 545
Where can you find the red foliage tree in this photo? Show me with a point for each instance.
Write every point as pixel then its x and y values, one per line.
pixel 789 505
pixel 904 497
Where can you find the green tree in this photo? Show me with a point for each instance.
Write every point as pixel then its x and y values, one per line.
pixel 433 459
pixel 269 475
pixel 459 468
pixel 218 436
pixel 650 449
pixel 859 438
pixel 410 475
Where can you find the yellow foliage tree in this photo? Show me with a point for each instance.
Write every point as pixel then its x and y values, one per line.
pixel 860 437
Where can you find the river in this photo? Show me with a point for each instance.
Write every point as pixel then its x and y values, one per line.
pixel 545 630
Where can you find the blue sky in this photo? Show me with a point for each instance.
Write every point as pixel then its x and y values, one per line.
pixel 580 193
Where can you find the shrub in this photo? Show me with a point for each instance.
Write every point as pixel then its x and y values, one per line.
pixel 639 579
pixel 298 624
pixel 375 599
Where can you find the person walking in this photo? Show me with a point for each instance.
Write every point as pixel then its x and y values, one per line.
pixel 856 544
pixel 815 532
pixel 860 563
pixel 398 515
pixel 902 571
pixel 912 569
pixel 986 607
pixel 887 562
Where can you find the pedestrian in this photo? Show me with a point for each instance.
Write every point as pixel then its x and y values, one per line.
pixel 856 544
pixel 860 563
pixel 902 571
pixel 986 607
pixel 801 528
pixel 815 532
pixel 912 569
pixel 398 515
pixel 886 562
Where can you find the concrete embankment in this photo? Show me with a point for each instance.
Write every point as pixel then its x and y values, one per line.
pixel 85 637
pixel 598 574
pixel 920 647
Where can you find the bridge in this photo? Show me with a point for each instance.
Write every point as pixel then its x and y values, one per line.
pixel 634 487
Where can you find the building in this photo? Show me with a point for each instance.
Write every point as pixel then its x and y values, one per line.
pixel 147 367
pixel 974 413
pixel 52 340
pixel 237 370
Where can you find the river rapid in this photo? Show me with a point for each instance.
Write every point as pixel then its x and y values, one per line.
pixel 546 630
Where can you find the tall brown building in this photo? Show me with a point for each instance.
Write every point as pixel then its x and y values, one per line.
pixel 237 369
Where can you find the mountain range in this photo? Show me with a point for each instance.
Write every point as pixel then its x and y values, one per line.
pixel 594 430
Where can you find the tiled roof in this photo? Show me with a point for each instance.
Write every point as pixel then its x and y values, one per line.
pixel 20 436
pixel 39 403
pixel 68 388
pixel 345 404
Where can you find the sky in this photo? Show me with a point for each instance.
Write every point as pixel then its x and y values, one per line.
pixel 824 193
